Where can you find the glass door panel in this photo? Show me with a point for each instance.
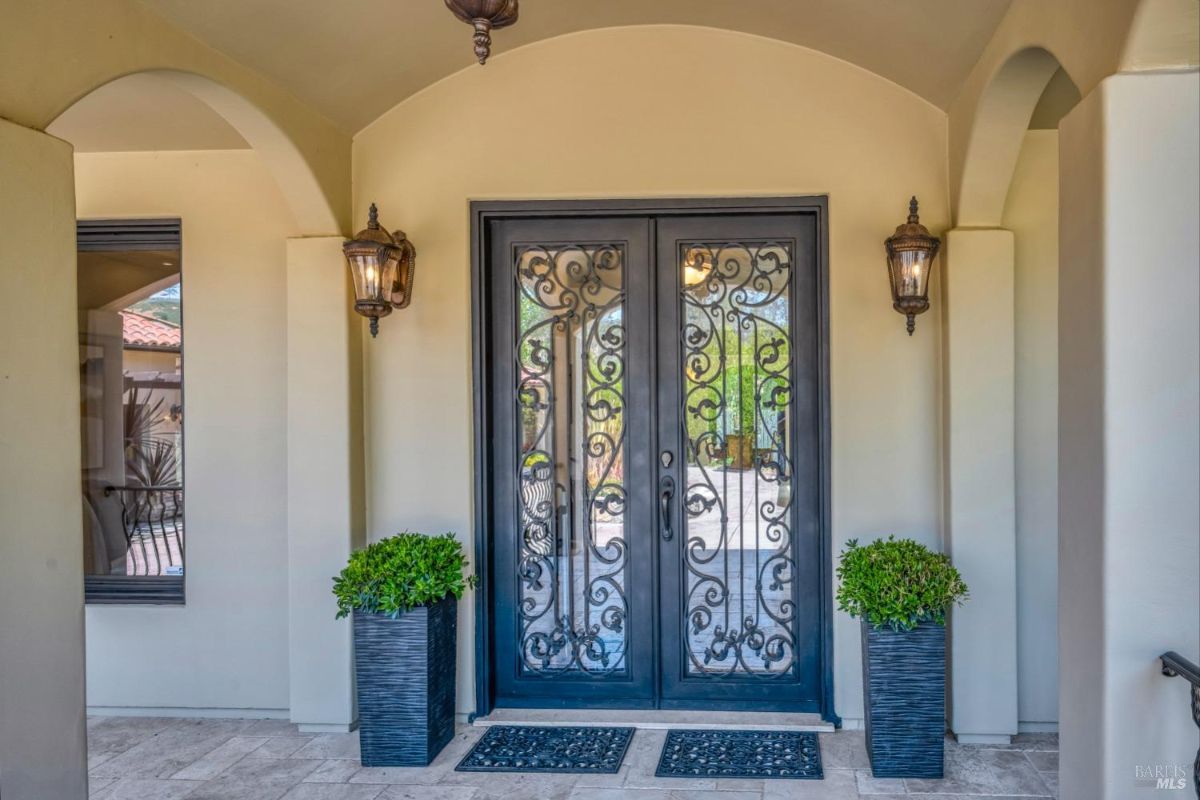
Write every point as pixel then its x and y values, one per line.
pixel 571 487
pixel 572 560
pixel 736 400
pixel 737 384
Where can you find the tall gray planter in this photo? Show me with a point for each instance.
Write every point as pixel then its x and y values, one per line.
pixel 904 677
pixel 405 674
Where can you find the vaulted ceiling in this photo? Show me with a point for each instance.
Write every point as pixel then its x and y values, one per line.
pixel 144 112
pixel 354 60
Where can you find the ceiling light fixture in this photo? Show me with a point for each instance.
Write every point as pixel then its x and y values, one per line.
pixel 484 15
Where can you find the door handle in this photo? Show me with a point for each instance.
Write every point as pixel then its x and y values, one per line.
pixel 665 494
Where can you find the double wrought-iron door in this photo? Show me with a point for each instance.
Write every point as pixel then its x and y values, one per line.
pixel 654 485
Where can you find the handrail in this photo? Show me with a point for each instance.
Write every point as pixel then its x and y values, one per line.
pixel 108 490
pixel 1174 664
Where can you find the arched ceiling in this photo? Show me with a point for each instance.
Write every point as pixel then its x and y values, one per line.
pixel 352 61
pixel 143 112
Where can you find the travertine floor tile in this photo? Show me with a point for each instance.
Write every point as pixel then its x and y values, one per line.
pixel 146 789
pixel 332 791
pixel 143 758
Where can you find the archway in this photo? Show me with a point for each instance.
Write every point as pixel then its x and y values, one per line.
pixel 995 140
pixel 301 189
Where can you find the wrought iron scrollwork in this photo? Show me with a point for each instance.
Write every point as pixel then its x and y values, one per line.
pixel 570 408
pixel 737 402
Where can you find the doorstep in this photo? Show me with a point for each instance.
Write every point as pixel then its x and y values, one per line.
pixel 657 720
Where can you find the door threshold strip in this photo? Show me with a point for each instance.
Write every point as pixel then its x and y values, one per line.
pixel 657 719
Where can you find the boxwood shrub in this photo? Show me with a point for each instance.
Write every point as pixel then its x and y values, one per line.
pixel 402 572
pixel 897 582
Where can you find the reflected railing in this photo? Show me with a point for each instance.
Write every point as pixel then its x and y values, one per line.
pixel 152 521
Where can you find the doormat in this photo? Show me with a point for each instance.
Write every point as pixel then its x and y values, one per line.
pixel 740 754
pixel 521 748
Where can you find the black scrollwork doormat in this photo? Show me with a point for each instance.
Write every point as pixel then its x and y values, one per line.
pixel 520 748
pixel 740 754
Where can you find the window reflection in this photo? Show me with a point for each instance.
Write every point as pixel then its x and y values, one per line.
pixel 131 373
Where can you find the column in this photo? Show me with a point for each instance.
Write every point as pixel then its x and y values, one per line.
pixel 326 509
pixel 1129 431
pixel 43 747
pixel 980 480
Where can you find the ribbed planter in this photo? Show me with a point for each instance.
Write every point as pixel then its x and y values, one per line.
pixel 904 677
pixel 405 673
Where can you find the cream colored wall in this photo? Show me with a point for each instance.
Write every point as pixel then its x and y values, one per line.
pixel 1129 429
pixel 658 111
pixel 42 741
pixel 980 475
pixel 1031 213
pixel 228 646
pixel 325 486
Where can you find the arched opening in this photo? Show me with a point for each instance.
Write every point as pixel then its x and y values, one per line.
pixel 994 144
pixel 187 196
pixel 302 191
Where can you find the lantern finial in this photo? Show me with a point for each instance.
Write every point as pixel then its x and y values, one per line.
pixel 912 211
pixel 373 218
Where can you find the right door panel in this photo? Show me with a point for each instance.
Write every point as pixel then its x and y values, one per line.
pixel 739 435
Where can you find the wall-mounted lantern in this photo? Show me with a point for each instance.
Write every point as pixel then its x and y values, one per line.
pixel 381 266
pixel 910 253
pixel 484 15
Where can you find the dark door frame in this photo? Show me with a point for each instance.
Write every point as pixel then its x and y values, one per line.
pixel 482 213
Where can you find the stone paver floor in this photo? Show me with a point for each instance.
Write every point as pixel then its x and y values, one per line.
pixel 149 758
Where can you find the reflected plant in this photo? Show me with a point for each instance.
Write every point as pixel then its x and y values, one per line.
pixel 150 453
pixel 153 464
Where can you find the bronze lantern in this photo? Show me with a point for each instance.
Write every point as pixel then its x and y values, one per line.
pixel 910 253
pixel 484 16
pixel 381 267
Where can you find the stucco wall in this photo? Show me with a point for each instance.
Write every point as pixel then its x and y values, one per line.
pixel 42 746
pixel 227 648
pixel 1031 213
pixel 658 111
pixel 1129 421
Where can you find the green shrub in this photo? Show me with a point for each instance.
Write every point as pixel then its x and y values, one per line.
pixel 897 582
pixel 402 572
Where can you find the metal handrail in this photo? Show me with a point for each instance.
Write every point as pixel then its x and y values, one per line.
pixel 1174 665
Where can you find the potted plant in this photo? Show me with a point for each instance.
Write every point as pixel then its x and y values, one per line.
pixel 901 591
pixel 403 594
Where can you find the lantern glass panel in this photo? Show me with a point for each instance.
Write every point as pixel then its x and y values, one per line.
pixel 910 272
pixel 373 277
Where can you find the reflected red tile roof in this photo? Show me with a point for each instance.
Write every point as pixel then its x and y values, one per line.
pixel 143 331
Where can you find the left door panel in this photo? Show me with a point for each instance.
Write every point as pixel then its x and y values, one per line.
pixel 573 534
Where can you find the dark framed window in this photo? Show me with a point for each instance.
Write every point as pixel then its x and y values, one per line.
pixel 130 304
